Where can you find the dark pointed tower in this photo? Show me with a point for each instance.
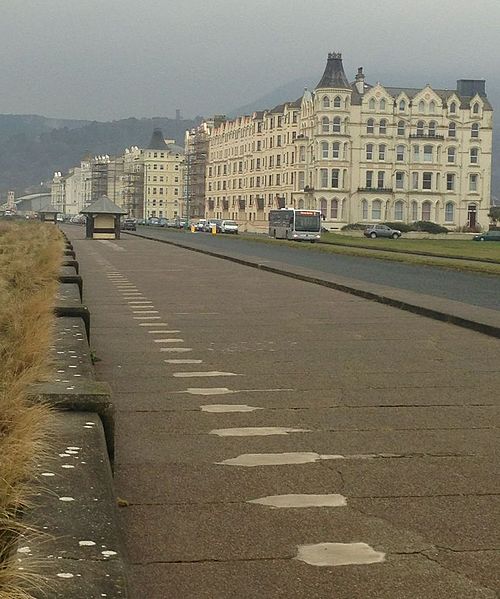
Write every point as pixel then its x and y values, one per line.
pixel 334 76
pixel 157 141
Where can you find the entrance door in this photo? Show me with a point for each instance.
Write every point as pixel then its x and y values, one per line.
pixel 471 215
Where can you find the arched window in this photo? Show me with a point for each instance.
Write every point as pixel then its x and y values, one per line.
pixel 371 104
pixel 382 128
pixel 432 107
pixel 421 106
pixel 426 210
pixel 301 204
pixel 402 105
pixel 432 128
pixel 323 206
pixel 399 210
pixel 449 212
pixel 324 149
pixel 452 130
pixel 334 209
pixel 336 124
pixel 382 104
pixel 325 124
pixel 364 210
pixel 401 128
pixel 453 107
pixel 475 108
pixel 474 130
pixel 381 151
pixel 370 124
pixel 336 150
pixel 400 153
pixel 420 127
pixel 326 102
pixel 376 209
pixel 369 151
pixel 452 154
pixel 337 102
pixel 474 155
pixel 428 151
pixel 414 211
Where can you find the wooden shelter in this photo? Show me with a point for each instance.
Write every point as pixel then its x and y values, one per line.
pixel 103 219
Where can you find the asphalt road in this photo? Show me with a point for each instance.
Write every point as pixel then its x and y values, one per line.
pixel 469 288
pixel 281 440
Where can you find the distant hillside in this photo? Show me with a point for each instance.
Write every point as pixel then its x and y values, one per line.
pixel 33 147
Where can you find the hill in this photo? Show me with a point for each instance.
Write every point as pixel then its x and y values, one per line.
pixel 33 147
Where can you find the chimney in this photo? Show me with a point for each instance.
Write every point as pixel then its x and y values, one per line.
pixel 360 81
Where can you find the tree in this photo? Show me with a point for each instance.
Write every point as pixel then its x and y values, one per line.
pixel 494 214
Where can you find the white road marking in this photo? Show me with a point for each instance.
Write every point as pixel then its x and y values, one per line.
pixel 339 554
pixel 182 361
pixel 209 373
pixel 164 332
pixel 256 431
pixel 168 340
pixel 140 302
pixel 153 324
pixel 273 459
pixel 209 391
pixel 178 350
pixel 145 311
pixel 227 408
pixel 301 500
pixel 145 317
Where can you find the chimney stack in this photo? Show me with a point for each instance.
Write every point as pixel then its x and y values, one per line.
pixel 360 81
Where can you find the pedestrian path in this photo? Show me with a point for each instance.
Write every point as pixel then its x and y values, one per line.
pixel 280 440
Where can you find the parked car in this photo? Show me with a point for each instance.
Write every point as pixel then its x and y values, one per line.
pixel 229 226
pixel 128 224
pixel 200 225
pixel 213 222
pixel 374 231
pixel 153 221
pixel 180 223
pixel 141 221
pixel 487 236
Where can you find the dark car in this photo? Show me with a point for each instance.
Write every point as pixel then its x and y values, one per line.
pixel 487 236
pixel 374 231
pixel 128 224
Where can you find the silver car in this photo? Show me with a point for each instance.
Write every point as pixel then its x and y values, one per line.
pixel 374 231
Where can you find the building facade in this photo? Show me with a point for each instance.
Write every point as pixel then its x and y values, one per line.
pixel 360 153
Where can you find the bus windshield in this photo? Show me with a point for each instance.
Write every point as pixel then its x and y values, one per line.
pixel 307 221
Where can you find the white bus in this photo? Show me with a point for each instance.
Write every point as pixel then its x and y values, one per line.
pixel 298 225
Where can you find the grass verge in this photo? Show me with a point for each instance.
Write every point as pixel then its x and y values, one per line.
pixel 30 258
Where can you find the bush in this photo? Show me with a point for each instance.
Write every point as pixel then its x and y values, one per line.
pixel 403 227
pixel 354 227
pixel 428 227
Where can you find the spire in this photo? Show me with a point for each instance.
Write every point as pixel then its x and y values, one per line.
pixel 157 141
pixel 334 76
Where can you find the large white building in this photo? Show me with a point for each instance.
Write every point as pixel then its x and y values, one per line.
pixel 359 153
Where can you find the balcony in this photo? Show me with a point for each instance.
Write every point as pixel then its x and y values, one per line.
pixel 425 136
pixel 376 189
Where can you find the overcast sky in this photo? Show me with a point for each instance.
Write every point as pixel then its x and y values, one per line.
pixel 109 59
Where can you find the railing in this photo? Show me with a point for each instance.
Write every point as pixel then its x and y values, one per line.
pixel 376 189
pixel 426 136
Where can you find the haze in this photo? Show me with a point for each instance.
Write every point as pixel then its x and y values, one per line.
pixel 110 59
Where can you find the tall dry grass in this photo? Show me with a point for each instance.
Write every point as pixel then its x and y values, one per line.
pixel 30 258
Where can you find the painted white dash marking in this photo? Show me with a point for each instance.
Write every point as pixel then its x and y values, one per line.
pixel 182 361
pixel 301 500
pixel 209 373
pixel 140 302
pixel 227 408
pixel 339 554
pixel 145 317
pixel 153 324
pixel 256 431
pixel 168 340
pixel 145 312
pixel 164 332
pixel 274 459
pixel 209 391
pixel 178 350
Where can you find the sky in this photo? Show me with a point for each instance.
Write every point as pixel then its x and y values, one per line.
pixel 112 59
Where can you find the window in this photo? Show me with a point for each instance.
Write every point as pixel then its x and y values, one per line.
pixel 336 124
pixel 432 107
pixel 369 179
pixel 414 211
pixel 450 181
pixel 452 130
pixel 324 149
pixel 428 153
pixel 336 150
pixel 400 153
pixel 453 108
pixel 420 127
pixel 376 210
pixel 452 154
pixel 335 178
pixel 416 153
pixel 364 210
pixel 421 106
pixel 399 210
pixel 474 155
pixel 382 104
pixel 370 124
pixel 371 104
pixel 414 181
pixel 426 210
pixel 426 181
pixel 334 209
pixel 473 179
pixel 402 106
pixel 475 108
pixel 401 128
pixel 382 128
pixel 449 212
pixel 337 102
pixel 380 179
pixel 474 130
pixel 369 151
pixel 400 180
pixel 301 204
pixel 323 177
pixel 323 206
pixel 432 128
pixel 381 151
pixel 326 102
pixel 325 125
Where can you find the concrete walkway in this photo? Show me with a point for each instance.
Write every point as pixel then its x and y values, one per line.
pixel 277 439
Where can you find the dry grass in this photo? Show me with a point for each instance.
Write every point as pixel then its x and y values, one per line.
pixel 30 257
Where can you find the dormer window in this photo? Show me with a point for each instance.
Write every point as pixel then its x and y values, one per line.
pixel 371 104
pixel 432 107
pixel 402 105
pixel 453 107
pixel 475 108
pixel 421 106
pixel 382 104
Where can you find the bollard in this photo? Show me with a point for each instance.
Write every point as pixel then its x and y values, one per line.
pixel 214 229
pixel 192 229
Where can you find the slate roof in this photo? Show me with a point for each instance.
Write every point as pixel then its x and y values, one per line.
pixel 444 94
pixel 334 75
pixel 157 141
pixel 103 206
pixel 49 210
